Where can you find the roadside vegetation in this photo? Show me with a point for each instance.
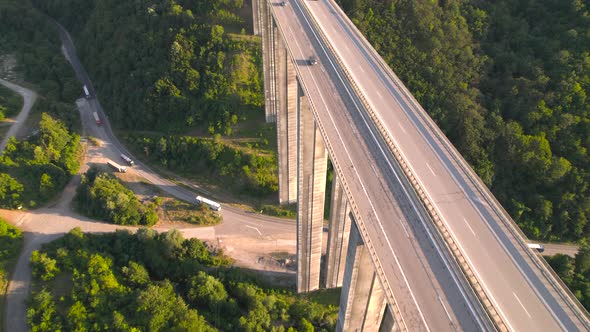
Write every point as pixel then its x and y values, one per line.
pixel 177 210
pixel 11 243
pixel 100 195
pixel 575 273
pixel 32 38
pixel 157 282
pixel 103 196
pixel 35 170
pixel 508 82
pixel 10 103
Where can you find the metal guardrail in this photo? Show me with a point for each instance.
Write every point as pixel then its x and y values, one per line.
pixel 360 224
pixel 570 299
pixel 429 206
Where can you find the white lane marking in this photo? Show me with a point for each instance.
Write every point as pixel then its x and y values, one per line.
pixel 254 229
pixel 402 128
pixel 407 235
pixel 410 104
pixel 471 229
pixel 446 311
pixel 411 201
pixel 523 307
pixel 358 176
pixel 430 168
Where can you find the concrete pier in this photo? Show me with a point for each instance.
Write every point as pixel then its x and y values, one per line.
pixel 338 236
pixel 312 169
pixel 363 302
pixel 286 123
pixel 268 59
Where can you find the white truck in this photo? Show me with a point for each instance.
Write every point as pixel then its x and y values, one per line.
pixel 211 204
pixel 536 246
pixel 86 92
pixel 96 118
pixel 127 160
pixel 117 167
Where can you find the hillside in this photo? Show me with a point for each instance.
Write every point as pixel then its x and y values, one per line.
pixel 507 81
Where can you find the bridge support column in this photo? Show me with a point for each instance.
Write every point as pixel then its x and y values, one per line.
pixel 286 123
pixel 312 168
pixel 338 236
pixel 268 59
pixel 256 28
pixel 362 303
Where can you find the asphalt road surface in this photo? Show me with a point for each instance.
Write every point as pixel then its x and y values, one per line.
pixel 424 286
pixel 506 269
pixel 29 98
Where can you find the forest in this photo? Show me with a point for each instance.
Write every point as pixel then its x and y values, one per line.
pixel 100 195
pixel 157 282
pixel 575 273
pixel 11 242
pixel 35 170
pixel 173 76
pixel 10 102
pixel 507 81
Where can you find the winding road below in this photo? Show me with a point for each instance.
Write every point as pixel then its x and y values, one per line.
pixel 29 97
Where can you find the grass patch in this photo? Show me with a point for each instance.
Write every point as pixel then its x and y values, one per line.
pixel 11 243
pixel 287 211
pixel 11 101
pixel 326 296
pixel 177 210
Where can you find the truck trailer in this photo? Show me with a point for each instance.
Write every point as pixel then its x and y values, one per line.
pixel 86 92
pixel 117 167
pixel 211 204
pixel 127 160
pixel 96 118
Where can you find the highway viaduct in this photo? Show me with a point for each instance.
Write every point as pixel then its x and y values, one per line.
pixel 415 239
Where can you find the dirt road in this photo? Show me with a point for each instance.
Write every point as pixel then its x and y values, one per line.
pixel 29 97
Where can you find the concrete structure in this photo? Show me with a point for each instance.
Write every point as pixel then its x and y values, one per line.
pixel 362 303
pixel 338 234
pixel 428 238
pixel 313 166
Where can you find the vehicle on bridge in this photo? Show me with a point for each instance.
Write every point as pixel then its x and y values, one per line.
pixel 86 93
pixel 96 118
pixel 536 246
pixel 211 204
pixel 127 160
pixel 117 167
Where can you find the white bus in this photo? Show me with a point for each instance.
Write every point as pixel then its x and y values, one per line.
pixel 212 205
pixel 117 167
pixel 127 160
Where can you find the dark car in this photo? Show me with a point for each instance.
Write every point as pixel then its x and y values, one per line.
pixel 282 3
pixel 312 60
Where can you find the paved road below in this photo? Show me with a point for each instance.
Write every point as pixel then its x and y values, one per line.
pixel 29 97
pixel 557 248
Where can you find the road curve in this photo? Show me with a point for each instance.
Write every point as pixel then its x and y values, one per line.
pixel 29 97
